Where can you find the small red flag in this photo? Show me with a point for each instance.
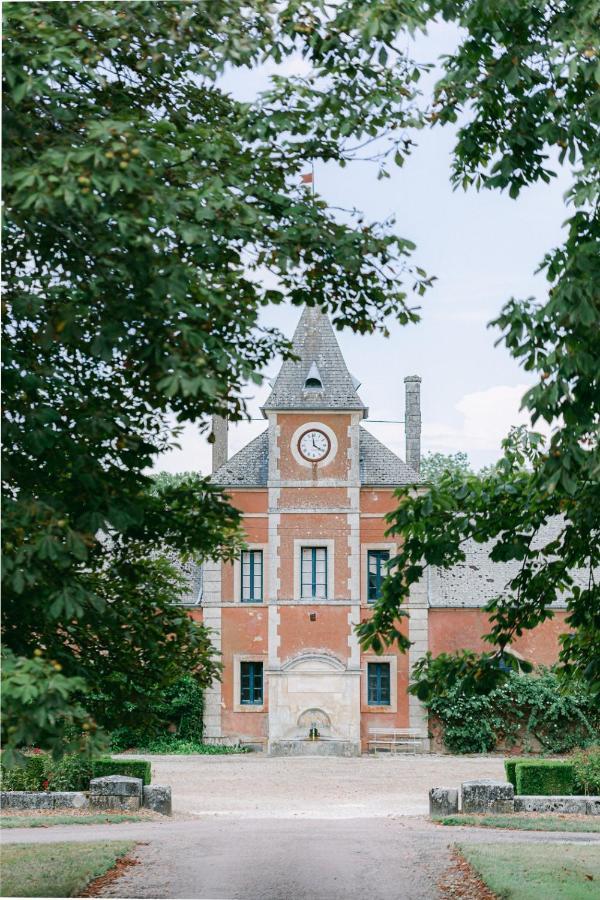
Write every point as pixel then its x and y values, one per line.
pixel 307 179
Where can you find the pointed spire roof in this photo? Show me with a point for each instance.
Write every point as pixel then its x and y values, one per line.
pixel 315 345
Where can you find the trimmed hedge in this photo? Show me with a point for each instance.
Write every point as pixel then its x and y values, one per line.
pixel 133 768
pixel 510 767
pixel 546 777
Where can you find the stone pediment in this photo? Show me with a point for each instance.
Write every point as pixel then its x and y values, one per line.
pixel 313 661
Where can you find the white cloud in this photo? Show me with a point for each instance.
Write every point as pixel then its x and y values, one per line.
pixel 292 65
pixel 487 418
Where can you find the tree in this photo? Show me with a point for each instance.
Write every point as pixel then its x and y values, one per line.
pixel 524 83
pixel 434 465
pixel 143 207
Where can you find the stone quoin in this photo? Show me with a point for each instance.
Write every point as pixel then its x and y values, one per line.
pixel 314 489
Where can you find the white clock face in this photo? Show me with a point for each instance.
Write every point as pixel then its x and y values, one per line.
pixel 314 445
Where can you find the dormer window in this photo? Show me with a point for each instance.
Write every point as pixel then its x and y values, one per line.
pixel 313 380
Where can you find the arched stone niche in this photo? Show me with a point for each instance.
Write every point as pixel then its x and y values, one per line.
pixel 314 716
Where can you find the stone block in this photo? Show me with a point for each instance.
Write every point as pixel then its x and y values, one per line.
pixel 550 804
pixel 70 800
pixel 26 800
pixel 592 806
pixel 43 800
pixel 443 801
pixel 158 798
pixel 116 792
pixel 487 796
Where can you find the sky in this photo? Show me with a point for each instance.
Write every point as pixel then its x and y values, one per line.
pixel 482 247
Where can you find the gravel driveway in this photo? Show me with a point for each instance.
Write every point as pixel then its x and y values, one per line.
pixel 257 786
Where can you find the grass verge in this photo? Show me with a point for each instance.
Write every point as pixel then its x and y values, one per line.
pixel 56 870
pixel 173 745
pixel 532 871
pixel 45 821
pixel 524 823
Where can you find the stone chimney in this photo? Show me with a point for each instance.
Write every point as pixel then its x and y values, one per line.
pixel 220 427
pixel 412 420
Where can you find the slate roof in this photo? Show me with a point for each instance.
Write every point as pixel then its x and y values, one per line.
pixel 315 344
pixel 248 467
pixel 378 465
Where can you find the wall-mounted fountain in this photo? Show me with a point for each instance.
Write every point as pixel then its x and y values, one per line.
pixel 314 707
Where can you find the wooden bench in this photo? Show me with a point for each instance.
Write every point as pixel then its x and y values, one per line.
pixel 394 738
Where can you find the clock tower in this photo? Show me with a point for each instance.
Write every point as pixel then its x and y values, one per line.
pixel 314 413
pixel 314 489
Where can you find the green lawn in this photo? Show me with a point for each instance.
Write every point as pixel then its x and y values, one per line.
pixel 523 823
pixel 536 871
pixel 56 870
pixel 45 821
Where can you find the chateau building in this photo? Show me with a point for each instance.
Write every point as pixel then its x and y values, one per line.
pixel 314 489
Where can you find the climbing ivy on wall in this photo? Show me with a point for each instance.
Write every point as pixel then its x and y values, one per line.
pixel 526 710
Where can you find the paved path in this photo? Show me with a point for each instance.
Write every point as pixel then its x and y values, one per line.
pixel 261 859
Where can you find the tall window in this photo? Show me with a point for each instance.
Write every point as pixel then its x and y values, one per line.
pixel 377 570
pixel 314 573
pixel 251 683
pixel 252 576
pixel 378 684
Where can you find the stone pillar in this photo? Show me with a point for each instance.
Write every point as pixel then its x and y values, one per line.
pixel 442 801
pixel 412 421
pixel 487 796
pixel 220 427
pixel 116 792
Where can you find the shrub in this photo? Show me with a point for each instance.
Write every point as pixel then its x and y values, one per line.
pixel 545 776
pixel 465 722
pixel 70 773
pixel 133 768
pixel 586 765
pixel 524 709
pixel 179 713
pixel 510 769
pixel 32 776
pixel 173 744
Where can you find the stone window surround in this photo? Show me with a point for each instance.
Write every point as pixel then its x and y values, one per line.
pixel 237 577
pixel 392 706
pixel 239 658
pixel 364 565
pixel 329 544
